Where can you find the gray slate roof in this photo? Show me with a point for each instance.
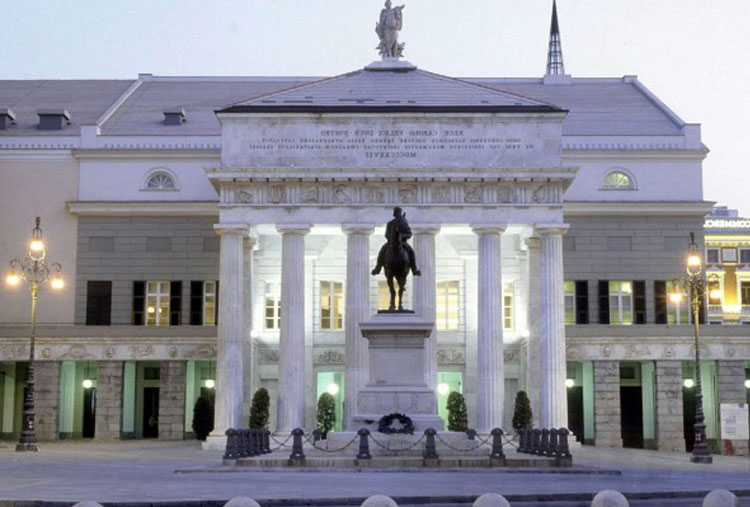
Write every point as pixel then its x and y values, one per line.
pixel 596 106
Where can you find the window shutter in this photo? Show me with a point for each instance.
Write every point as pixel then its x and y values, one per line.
pixel 98 303
pixel 639 302
pixel 603 301
pixel 175 303
pixel 660 301
pixel 216 304
pixel 582 302
pixel 196 303
pixel 139 302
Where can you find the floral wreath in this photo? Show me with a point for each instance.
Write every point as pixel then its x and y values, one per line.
pixel 385 422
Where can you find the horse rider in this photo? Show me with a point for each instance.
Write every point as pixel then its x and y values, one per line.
pixel 400 224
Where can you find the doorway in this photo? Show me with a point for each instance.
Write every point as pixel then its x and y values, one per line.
pixel 631 405
pixel 150 412
pixel 89 413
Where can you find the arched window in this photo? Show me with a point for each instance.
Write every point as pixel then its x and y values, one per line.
pixel 619 180
pixel 160 181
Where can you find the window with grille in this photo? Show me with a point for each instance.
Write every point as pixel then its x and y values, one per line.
pixel 157 303
pixel 331 305
pixel 620 303
pixel 508 309
pixel 618 180
pixel 272 298
pixel 160 181
pixel 447 306
pixel 570 302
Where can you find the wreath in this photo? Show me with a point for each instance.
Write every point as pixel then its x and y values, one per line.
pixel 385 424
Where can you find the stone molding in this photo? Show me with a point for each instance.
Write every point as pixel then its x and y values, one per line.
pixel 239 229
pixel 52 350
pixel 481 229
pixel 545 229
pixel 297 228
pixel 585 349
pixel 365 229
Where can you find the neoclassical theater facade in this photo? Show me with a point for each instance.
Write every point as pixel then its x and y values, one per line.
pixel 217 236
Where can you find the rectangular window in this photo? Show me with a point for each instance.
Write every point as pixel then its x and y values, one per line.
pixel 331 305
pixel 712 256
pixel 203 303
pixel 677 305
pixel 729 255
pixel 660 301
pixel 639 302
pixel 210 293
pixel 447 306
pixel 745 293
pixel 582 301
pixel 620 303
pixel 157 303
pixel 508 310
pixel 272 298
pixel 603 301
pixel 139 302
pixel 744 255
pixel 98 303
pixel 175 303
pixel 570 302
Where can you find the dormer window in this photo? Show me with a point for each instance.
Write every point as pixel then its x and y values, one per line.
pixel 160 181
pixel 53 118
pixel 7 118
pixel 174 116
pixel 618 180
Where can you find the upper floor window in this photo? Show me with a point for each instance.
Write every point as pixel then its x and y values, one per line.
pixel 160 180
pixel 447 307
pixel 744 255
pixel 331 305
pixel 272 298
pixel 620 303
pixel 619 180
pixel 508 313
pixel 677 304
pixel 157 303
pixel 712 256
pixel 203 298
pixel 570 302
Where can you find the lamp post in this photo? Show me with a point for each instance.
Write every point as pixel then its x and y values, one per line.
pixel 34 270
pixel 694 284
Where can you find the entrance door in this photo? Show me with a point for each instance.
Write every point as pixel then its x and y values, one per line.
pixel 688 416
pixel 631 406
pixel 89 412
pixel 150 412
pixel 575 411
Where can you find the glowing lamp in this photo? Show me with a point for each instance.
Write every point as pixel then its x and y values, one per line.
pixel 675 297
pixel 443 389
pixel 36 245
pixel 210 383
pixel 569 382
pixel 333 389
pixel 715 294
pixel 747 384
pixel 151 309
pixel 57 283
pixel 13 279
pixel 88 383
pixel 689 383
pixel 694 260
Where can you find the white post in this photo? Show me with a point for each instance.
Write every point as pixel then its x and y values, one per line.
pixel 291 401
pixel 490 367
pixel 424 293
pixel 553 394
pixel 230 333
pixel 357 310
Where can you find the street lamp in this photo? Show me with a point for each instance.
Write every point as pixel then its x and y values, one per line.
pixel 35 271
pixel 694 285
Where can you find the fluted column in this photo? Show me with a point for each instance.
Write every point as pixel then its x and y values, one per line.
pixel 357 309
pixel 553 394
pixel 490 368
pixel 534 303
pixel 424 292
pixel 291 402
pixel 247 340
pixel 230 333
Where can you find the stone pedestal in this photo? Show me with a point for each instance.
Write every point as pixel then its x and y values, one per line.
pixel 396 383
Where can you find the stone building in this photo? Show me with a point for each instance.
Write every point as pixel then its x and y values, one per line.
pixel 217 234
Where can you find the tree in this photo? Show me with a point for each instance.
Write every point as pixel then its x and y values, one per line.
pixel 326 413
pixel 458 420
pixel 259 410
pixel 522 416
pixel 203 417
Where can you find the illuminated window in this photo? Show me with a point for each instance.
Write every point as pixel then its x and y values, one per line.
pixel 620 303
pixel 209 303
pixel 570 302
pixel 677 311
pixel 272 298
pixel 714 292
pixel 508 310
pixel 447 306
pixel 618 180
pixel 384 296
pixel 157 303
pixel 331 305
pixel 745 293
pixel 160 181
pixel 712 255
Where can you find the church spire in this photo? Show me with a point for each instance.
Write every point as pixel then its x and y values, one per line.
pixel 555 64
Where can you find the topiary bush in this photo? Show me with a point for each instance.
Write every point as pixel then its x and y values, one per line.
pixel 259 410
pixel 203 417
pixel 326 413
pixel 522 416
pixel 458 420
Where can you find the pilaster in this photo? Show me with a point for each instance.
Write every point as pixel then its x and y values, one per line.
pixel 424 291
pixel 109 400
pixel 46 394
pixel 670 435
pixel 172 400
pixel 731 377
pixel 607 411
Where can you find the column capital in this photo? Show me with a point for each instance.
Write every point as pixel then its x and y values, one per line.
pixel 238 229
pixel 548 229
pixel 296 228
pixel 488 228
pixel 365 229
pixel 433 229
pixel 533 242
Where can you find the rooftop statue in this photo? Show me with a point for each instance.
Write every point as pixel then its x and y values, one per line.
pixel 391 21
pixel 397 257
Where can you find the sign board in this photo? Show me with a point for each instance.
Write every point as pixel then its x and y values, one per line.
pixel 735 424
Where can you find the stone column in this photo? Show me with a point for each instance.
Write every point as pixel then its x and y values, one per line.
pixel 553 396
pixel 607 418
pixel 172 400
pixel 248 360
pixel 229 371
pixel 534 302
pixel 731 376
pixel 108 400
pixel 46 398
pixel 424 292
pixel 490 367
pixel 670 433
pixel 357 309
pixel 291 402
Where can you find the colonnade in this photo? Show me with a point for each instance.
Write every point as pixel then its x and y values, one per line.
pixel 546 320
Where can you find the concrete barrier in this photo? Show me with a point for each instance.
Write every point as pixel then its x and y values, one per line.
pixel 720 498
pixel 491 500
pixel 609 498
pixel 379 501
pixel 241 501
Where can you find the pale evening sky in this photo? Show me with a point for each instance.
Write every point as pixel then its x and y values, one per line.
pixel 692 53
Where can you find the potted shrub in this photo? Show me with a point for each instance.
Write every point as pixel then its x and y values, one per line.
pixel 457 417
pixel 522 416
pixel 203 417
pixel 326 414
pixel 259 410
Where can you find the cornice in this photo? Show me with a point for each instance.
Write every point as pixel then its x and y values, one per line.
pixel 114 208
pixel 672 208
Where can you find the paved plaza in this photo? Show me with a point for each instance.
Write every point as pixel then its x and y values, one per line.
pixel 139 471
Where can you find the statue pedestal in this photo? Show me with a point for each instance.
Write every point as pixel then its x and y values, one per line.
pixel 397 372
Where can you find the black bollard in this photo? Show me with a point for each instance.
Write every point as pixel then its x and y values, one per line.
pixel 242 443
pixel 266 442
pixel 364 444
pixel 544 444
pixel 497 456
pixel 563 451
pixel 317 434
pixel 471 434
pixel 297 457
pixel 536 439
pixel 553 434
pixel 253 445
pixel 430 455
pixel 230 452
pixel 521 440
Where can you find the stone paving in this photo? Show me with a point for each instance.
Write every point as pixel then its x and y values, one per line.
pixel 174 471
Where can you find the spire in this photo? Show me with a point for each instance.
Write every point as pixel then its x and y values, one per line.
pixel 555 64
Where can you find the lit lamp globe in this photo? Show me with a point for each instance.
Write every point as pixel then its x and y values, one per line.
pixel 443 389
pixel 747 384
pixel 13 279
pixel 333 389
pixel 689 383
pixel 210 383
pixel 675 297
pixel 88 383
pixel 57 283
pixel 569 382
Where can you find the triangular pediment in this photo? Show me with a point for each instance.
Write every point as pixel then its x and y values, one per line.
pixel 384 91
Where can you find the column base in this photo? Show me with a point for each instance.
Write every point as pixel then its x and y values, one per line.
pixel 214 443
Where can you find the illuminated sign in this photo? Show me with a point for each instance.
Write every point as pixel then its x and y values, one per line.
pixel 743 223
